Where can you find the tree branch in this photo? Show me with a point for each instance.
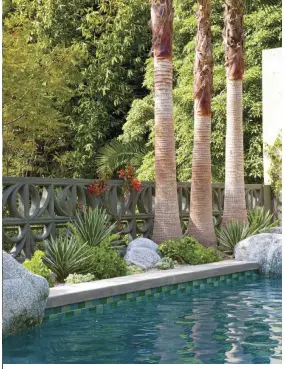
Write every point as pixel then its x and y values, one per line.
pixel 14 120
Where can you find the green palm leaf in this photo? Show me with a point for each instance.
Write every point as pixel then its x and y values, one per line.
pixel 116 154
pixel 266 4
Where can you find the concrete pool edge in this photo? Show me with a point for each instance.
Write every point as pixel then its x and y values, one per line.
pixel 83 292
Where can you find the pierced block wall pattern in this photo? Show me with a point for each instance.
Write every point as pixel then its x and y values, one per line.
pixel 35 208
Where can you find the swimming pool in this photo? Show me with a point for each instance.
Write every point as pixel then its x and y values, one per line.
pixel 233 323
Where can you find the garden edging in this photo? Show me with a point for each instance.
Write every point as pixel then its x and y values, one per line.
pixel 75 293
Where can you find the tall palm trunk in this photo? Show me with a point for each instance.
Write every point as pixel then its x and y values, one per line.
pixel 201 222
pixel 166 221
pixel 234 200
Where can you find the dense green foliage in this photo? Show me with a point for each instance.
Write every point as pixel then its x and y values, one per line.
pixel 105 262
pixel 77 74
pixel 275 171
pixel 36 266
pixel 165 263
pixel 79 278
pixel 259 221
pixel 92 226
pixel 187 250
pixel 65 255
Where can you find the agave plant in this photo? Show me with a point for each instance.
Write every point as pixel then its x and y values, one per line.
pixel 93 225
pixel 231 234
pixel 260 220
pixel 64 256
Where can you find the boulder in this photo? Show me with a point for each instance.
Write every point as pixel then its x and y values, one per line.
pixel 24 296
pixel 144 258
pixel 143 243
pixel 264 249
pixel 277 230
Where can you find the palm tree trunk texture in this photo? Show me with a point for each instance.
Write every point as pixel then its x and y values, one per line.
pixel 201 223
pixel 166 219
pixel 234 200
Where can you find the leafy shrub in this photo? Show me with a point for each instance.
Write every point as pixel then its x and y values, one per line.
pixel 114 241
pixel 105 262
pixel 187 250
pixel 234 232
pixel 92 226
pixel 65 255
pixel 36 266
pixel 79 278
pixel 165 263
pixel 275 171
pixel 133 269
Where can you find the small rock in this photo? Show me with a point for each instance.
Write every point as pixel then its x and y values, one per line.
pixel 24 297
pixel 143 243
pixel 264 249
pixel 144 258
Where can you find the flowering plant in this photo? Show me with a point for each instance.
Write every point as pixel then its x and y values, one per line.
pixel 97 189
pixel 129 181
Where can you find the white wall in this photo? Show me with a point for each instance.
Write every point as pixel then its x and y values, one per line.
pixel 272 85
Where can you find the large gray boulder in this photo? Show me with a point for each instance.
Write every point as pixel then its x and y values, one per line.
pixel 264 249
pixel 277 230
pixel 142 257
pixel 24 296
pixel 142 243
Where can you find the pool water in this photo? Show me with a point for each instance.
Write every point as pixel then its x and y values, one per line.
pixel 236 323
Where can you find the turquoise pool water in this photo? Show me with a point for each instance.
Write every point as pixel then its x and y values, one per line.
pixel 236 323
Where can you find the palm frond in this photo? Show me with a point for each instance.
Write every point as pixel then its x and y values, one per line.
pixel 265 4
pixel 116 154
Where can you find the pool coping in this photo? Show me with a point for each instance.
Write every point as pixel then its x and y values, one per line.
pixel 76 293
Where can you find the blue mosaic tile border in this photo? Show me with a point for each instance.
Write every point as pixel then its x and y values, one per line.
pixel 99 305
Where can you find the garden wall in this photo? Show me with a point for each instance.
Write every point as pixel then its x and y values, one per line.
pixel 36 208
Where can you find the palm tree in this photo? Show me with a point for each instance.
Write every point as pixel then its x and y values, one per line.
pixel 201 222
pixel 166 218
pixel 234 200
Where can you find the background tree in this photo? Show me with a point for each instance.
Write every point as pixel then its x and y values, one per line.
pixel 201 221
pixel 75 38
pixel 166 217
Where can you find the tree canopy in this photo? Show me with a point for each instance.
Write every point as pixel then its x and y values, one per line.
pixel 78 73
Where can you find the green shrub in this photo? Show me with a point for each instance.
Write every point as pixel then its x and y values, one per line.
pixel 64 256
pixel 165 263
pixel 234 232
pixel 105 262
pixel 133 269
pixel 114 241
pixel 79 278
pixel 92 226
pixel 36 266
pixel 187 250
